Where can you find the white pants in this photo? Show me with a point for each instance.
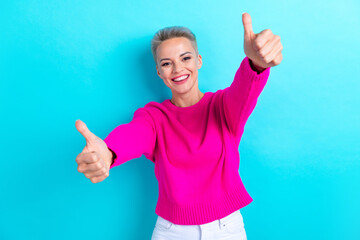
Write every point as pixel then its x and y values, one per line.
pixel 230 227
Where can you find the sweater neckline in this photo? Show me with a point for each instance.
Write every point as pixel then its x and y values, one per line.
pixel 196 105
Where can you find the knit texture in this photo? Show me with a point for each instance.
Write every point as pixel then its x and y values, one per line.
pixel 195 149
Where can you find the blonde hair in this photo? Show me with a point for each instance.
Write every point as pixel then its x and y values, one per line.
pixel 172 32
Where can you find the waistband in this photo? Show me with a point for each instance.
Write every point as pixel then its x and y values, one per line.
pixel 235 216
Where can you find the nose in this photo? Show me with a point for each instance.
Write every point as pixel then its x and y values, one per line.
pixel 176 67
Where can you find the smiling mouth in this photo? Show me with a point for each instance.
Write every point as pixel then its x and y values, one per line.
pixel 181 78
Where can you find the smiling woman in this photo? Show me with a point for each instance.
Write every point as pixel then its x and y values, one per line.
pixel 177 61
pixel 193 139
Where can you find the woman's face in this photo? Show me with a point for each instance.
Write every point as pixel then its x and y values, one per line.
pixel 176 57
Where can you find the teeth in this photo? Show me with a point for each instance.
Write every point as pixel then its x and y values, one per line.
pixel 180 78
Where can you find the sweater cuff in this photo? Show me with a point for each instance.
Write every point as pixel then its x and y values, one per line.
pixel 113 158
pixel 254 74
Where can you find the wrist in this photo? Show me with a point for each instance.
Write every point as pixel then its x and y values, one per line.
pixel 255 67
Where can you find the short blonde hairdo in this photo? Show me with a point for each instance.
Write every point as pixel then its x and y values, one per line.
pixel 172 32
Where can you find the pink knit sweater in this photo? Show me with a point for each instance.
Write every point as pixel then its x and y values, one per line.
pixel 195 149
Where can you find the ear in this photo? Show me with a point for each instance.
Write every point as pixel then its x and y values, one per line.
pixel 157 70
pixel 199 61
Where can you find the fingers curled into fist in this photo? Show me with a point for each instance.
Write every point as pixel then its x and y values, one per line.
pixel 93 167
pixel 268 48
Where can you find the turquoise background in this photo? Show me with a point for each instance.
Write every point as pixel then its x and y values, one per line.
pixel 66 60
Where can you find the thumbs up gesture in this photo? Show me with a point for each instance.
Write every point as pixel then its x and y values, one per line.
pixel 264 49
pixel 95 159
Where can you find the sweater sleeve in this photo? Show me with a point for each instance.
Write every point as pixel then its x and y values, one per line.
pixel 133 139
pixel 240 98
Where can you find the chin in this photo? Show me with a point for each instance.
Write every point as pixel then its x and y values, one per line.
pixel 181 91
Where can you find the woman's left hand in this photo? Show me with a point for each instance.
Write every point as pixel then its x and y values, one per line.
pixel 264 49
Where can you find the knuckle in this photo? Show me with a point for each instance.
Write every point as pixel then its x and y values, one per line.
pixel 100 172
pixel 266 59
pixel 261 53
pixel 94 156
pixel 278 60
pixel 96 179
pixel 257 43
pixel 98 165
pixel 78 159
pixel 266 32
pixel 89 175
pixel 81 168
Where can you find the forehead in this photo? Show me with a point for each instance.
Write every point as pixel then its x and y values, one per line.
pixel 174 46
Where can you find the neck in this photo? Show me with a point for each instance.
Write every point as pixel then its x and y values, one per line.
pixel 187 99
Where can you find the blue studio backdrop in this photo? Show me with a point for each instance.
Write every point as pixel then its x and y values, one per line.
pixel 66 60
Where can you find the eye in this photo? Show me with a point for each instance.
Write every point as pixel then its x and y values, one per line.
pixel 185 58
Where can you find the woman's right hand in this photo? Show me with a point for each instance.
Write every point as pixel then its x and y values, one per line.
pixel 95 159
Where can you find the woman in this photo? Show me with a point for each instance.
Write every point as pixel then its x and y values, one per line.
pixel 193 138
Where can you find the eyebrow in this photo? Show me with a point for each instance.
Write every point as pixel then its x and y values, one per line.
pixel 180 56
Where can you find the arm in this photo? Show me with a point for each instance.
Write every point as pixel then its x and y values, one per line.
pixel 240 98
pixel 132 140
pixel 262 50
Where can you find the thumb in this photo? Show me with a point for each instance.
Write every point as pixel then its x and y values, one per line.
pixel 82 128
pixel 248 31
